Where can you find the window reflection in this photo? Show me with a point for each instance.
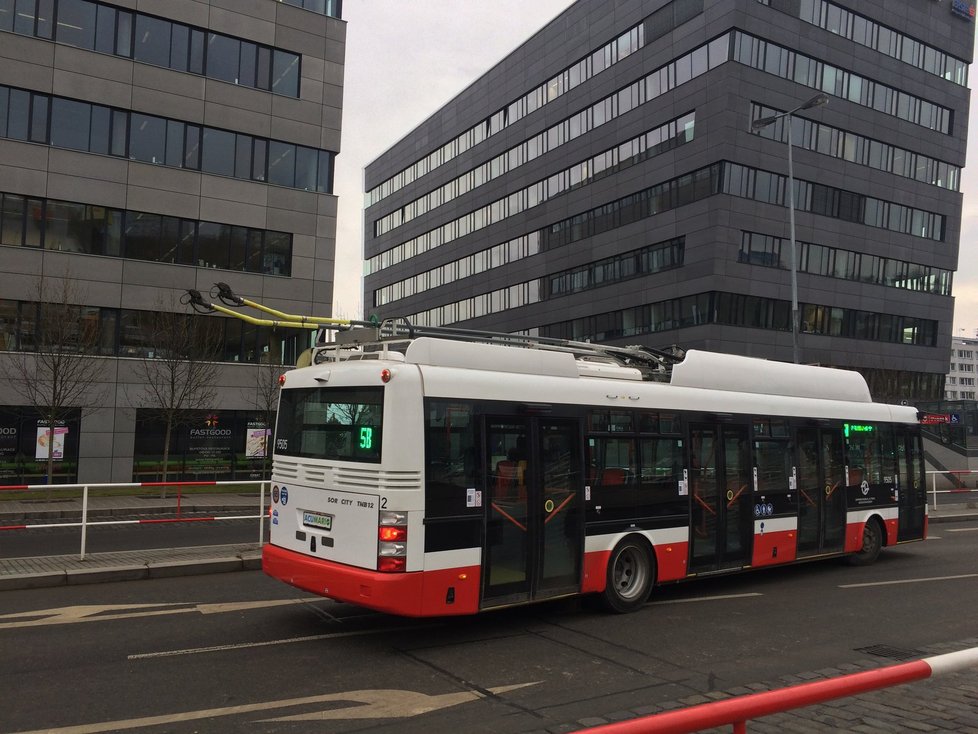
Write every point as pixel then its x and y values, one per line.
pixel 150 139
pixel 96 230
pixel 151 40
pixel 76 23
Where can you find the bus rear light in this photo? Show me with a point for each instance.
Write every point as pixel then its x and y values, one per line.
pixel 391 565
pixel 392 533
pixel 392 549
pixel 386 375
pixel 281 380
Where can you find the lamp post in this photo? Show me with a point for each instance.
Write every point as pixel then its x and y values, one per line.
pixel 817 101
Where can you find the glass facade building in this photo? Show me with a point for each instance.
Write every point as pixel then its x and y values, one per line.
pixel 145 152
pixel 614 190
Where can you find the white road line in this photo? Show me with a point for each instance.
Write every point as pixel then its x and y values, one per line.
pixel 933 537
pixel 910 581
pixel 961 530
pixel 267 643
pixel 112 612
pixel 705 598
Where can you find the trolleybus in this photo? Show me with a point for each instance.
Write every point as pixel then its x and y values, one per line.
pixel 421 475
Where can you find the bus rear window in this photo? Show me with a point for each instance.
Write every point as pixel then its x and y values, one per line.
pixel 331 423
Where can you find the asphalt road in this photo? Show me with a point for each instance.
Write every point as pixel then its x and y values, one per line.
pixel 243 653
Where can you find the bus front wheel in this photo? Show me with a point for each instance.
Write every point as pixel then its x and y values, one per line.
pixel 631 573
pixel 872 544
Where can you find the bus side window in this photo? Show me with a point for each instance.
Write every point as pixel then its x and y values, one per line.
pixel 613 471
pixel 659 477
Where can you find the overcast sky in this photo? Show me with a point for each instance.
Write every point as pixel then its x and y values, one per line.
pixel 404 60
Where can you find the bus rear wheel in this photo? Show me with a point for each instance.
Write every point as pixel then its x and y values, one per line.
pixel 872 544
pixel 631 573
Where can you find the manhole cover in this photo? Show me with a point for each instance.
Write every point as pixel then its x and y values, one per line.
pixel 893 653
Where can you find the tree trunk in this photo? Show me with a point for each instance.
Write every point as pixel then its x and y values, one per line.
pixel 50 459
pixel 166 456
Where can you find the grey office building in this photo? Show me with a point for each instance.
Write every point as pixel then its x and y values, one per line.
pixel 605 182
pixel 147 148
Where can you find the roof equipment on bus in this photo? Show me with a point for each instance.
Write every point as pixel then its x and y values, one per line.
pixel 349 335
pixel 399 340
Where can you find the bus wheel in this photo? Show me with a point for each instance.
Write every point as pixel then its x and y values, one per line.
pixel 872 544
pixel 630 576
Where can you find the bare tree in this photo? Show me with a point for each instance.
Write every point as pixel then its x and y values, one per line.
pixel 265 398
pixel 56 371
pixel 179 370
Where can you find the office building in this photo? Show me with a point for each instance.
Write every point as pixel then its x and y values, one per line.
pixel 960 381
pixel 146 149
pixel 605 182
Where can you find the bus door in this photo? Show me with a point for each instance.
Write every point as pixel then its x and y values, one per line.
pixel 534 520
pixel 721 523
pixel 910 484
pixel 821 490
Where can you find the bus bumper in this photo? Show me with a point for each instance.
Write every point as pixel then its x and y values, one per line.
pixel 396 593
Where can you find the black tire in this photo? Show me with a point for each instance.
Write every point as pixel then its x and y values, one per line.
pixel 872 544
pixel 630 576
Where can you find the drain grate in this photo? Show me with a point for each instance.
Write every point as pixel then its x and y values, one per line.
pixel 893 653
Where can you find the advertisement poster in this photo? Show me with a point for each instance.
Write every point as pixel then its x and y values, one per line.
pixel 8 453
pixel 256 442
pixel 44 438
pixel 210 448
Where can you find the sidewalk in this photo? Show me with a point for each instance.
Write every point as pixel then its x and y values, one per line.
pixel 34 572
pixel 40 571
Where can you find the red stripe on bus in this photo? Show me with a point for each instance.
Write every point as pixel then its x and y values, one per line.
pixel 774 547
pixel 176 519
pixel 670 559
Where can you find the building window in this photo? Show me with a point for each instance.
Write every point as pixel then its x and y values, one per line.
pixel 838 82
pixel 157 41
pixel 662 21
pixel 864 151
pixel 160 141
pixel 647 145
pixel 97 230
pixel 722 177
pixel 765 250
pixel 866 32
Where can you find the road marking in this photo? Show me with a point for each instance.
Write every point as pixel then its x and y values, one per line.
pixel 933 537
pixel 267 643
pixel 910 581
pixel 705 598
pixel 394 704
pixel 409 703
pixel 108 612
pixel 961 530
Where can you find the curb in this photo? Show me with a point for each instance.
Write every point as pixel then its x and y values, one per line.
pixel 130 572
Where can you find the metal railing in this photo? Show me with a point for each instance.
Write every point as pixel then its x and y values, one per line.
pixel 737 711
pixel 954 476
pixel 84 523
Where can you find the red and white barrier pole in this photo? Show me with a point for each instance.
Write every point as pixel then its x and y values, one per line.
pixel 737 711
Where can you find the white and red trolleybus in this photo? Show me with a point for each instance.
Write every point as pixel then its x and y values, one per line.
pixel 438 476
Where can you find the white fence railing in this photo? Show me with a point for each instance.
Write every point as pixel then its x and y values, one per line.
pixel 959 477
pixel 178 515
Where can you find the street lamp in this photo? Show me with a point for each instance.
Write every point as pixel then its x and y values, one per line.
pixel 817 101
